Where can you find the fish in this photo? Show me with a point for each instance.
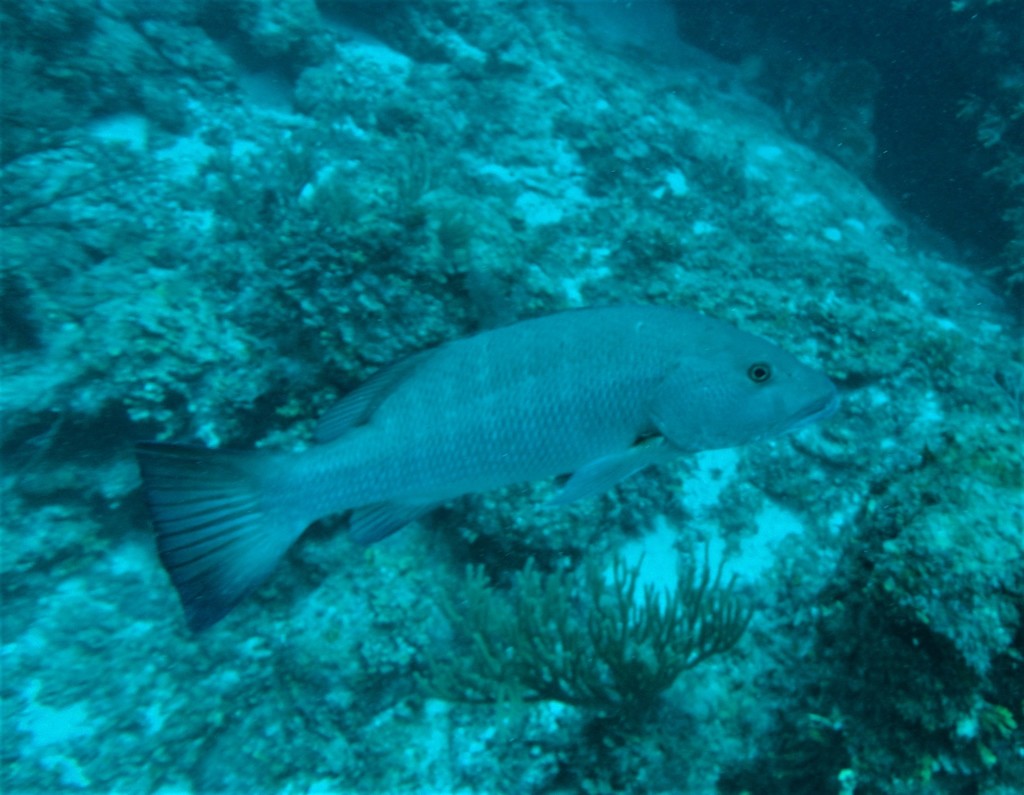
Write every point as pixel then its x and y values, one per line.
pixel 597 394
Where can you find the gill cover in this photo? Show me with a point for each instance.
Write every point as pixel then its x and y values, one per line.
pixel 706 404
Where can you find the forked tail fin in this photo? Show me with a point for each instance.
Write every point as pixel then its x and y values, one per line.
pixel 218 533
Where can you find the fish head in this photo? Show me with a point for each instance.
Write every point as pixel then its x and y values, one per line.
pixel 727 396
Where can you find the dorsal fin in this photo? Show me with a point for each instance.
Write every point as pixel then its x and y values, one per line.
pixel 358 406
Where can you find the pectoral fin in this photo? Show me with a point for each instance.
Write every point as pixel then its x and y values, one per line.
pixel 601 474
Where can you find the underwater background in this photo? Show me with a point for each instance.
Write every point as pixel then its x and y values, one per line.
pixel 219 216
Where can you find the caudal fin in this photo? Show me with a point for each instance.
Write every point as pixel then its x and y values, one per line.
pixel 217 533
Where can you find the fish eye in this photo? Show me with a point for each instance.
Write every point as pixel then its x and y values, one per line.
pixel 759 372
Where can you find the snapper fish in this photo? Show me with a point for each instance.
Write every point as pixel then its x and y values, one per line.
pixel 599 394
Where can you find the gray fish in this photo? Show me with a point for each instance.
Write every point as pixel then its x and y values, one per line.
pixel 599 393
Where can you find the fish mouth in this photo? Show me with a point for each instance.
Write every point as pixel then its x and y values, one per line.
pixel 815 412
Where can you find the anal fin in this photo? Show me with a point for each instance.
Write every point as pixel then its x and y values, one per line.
pixel 373 523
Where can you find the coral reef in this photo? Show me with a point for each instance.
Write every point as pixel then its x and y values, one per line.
pixel 218 217
pixel 923 99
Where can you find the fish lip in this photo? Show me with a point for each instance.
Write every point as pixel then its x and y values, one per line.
pixel 815 412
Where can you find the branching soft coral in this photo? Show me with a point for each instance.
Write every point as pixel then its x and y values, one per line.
pixel 586 642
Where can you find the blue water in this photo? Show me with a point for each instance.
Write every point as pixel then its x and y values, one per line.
pixel 220 217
